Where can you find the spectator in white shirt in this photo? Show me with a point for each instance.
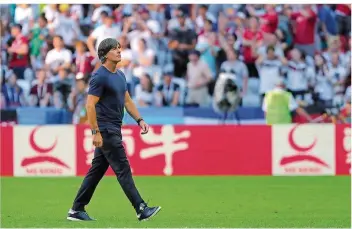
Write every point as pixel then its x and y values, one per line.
pixel 269 69
pixel 299 76
pixel 107 30
pixel 126 57
pixel 198 78
pixel 24 15
pixel 135 29
pixel 168 92
pixel 271 41
pixel 59 57
pixel 203 15
pixel 67 27
pixel 334 46
pixel 99 8
pixel 237 68
pixel 144 91
pixel 144 58
pixel 337 74
pixel 51 14
pixel 175 24
pixel 323 84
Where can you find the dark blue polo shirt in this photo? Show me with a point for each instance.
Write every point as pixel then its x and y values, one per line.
pixel 111 88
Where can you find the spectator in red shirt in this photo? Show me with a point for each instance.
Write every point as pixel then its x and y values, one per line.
pixel 18 52
pixel 269 21
pixel 252 39
pixel 304 29
pixel 42 91
pixel 83 59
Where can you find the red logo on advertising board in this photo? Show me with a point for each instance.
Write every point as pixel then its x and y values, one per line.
pixel 43 153
pixel 302 152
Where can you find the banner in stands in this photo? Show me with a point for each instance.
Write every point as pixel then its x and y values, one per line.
pixel 65 150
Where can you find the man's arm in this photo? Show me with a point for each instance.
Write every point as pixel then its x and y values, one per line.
pixel 21 50
pixel 301 111
pixel 90 44
pixel 131 107
pixel 96 86
pixel 132 110
pixel 92 100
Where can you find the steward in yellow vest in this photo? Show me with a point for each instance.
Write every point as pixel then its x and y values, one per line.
pixel 278 105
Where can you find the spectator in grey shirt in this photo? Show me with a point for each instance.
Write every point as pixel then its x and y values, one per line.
pixel 236 67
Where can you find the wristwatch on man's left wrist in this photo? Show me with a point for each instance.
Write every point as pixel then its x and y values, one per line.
pixel 95 131
pixel 139 120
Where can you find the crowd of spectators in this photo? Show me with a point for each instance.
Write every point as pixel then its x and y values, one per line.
pixel 173 54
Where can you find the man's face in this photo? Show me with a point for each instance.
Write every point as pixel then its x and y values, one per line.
pixel 208 26
pixel 253 24
pixel 41 75
pixel 114 54
pixel 318 60
pixel 145 15
pixel 271 54
pixel 15 31
pixel 202 11
pixel 167 79
pixel 80 48
pixel 193 58
pixel 230 40
pixel 41 22
pixel 335 45
pixel 296 55
pixel 181 20
pixel 108 21
pixel 57 42
pixel 335 59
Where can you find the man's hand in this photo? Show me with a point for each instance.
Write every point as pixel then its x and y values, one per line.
pixel 144 126
pixel 97 140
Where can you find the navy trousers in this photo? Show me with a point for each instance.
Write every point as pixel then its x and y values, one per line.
pixel 112 153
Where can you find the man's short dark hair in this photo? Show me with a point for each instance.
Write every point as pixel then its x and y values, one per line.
pixel 19 26
pixel 58 36
pixel 105 46
pixel 203 6
pixel 104 13
pixel 42 16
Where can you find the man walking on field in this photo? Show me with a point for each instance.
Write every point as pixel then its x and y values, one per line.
pixel 107 98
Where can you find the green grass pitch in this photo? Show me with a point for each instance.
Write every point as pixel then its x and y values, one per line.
pixel 196 202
